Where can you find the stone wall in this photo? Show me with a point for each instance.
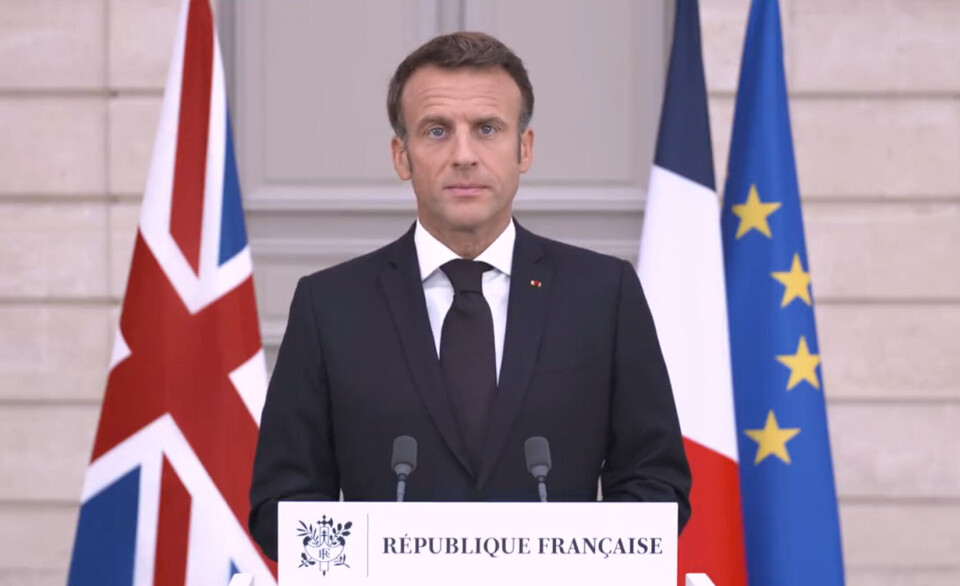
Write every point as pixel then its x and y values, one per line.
pixel 81 83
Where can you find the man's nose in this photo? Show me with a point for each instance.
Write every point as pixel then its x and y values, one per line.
pixel 465 153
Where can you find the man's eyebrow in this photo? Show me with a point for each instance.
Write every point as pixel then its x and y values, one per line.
pixel 495 120
pixel 433 120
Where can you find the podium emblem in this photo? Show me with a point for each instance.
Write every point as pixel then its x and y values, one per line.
pixel 324 544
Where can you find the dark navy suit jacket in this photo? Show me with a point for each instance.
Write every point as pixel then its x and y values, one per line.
pixel 358 367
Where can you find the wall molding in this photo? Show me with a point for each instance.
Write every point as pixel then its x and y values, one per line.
pixel 400 198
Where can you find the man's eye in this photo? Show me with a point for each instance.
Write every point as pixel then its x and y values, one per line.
pixel 487 129
pixel 436 132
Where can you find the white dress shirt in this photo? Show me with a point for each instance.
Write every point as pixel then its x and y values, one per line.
pixel 438 290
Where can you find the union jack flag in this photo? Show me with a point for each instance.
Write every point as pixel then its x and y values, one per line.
pixel 165 497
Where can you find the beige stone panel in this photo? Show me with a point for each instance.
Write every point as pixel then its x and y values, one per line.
pixel 45 452
pixel 115 311
pixel 133 126
pixel 896 450
pixel 721 128
pixel 723 26
pixel 142 33
pixel 897 351
pixel 37 540
pixel 596 69
pixel 50 352
pixel 932 577
pixel 56 577
pixel 271 353
pixel 52 145
pixel 900 535
pixel 862 147
pixel 884 251
pixel 876 45
pixel 275 284
pixel 124 222
pixel 877 147
pixel 275 280
pixel 52 44
pixel 55 250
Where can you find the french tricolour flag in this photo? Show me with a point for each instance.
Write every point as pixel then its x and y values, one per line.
pixel 681 267
pixel 165 497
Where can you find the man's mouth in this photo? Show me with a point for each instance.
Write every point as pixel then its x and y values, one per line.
pixel 465 188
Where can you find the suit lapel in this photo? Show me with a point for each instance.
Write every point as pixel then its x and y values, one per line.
pixel 531 284
pixel 403 289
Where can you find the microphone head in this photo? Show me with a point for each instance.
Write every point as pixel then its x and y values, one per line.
pixel 404 459
pixel 537 451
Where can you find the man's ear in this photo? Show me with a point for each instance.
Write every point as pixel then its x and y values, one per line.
pixel 526 150
pixel 401 161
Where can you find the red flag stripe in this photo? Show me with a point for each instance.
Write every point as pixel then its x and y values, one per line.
pixel 165 373
pixel 173 529
pixel 189 176
pixel 712 541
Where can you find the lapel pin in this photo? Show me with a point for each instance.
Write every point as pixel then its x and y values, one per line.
pixel 536 283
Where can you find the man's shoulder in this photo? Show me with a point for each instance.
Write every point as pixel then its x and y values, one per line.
pixel 576 257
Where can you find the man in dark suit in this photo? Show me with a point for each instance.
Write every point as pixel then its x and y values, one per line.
pixel 469 333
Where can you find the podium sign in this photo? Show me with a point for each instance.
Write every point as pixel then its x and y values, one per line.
pixel 335 543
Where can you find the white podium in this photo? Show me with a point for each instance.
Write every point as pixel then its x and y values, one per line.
pixel 692 580
pixel 477 543
pixel 371 543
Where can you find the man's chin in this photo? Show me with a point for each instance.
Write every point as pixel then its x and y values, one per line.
pixel 466 217
pixel 477 222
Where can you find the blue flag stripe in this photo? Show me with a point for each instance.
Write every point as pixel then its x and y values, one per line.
pixel 233 232
pixel 103 552
pixel 683 142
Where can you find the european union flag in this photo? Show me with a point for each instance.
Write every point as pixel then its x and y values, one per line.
pixel 791 527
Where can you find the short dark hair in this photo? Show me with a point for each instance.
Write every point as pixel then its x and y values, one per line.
pixel 453 51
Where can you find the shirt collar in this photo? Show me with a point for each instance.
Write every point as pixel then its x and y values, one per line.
pixel 432 254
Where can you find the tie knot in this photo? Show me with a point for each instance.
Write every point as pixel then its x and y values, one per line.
pixel 465 275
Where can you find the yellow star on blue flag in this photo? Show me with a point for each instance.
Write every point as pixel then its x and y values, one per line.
pixel 753 214
pixel 772 439
pixel 802 365
pixel 796 283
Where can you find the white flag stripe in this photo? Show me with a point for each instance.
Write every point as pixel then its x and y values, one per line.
pixel 681 268
pixel 120 349
pixel 250 380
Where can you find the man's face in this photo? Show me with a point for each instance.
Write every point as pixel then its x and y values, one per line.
pixel 463 152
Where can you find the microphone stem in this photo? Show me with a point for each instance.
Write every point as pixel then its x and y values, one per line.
pixel 542 487
pixel 401 487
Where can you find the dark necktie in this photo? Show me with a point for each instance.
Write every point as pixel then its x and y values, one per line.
pixel 467 356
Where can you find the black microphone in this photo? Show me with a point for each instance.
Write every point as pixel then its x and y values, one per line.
pixel 537 451
pixel 404 462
